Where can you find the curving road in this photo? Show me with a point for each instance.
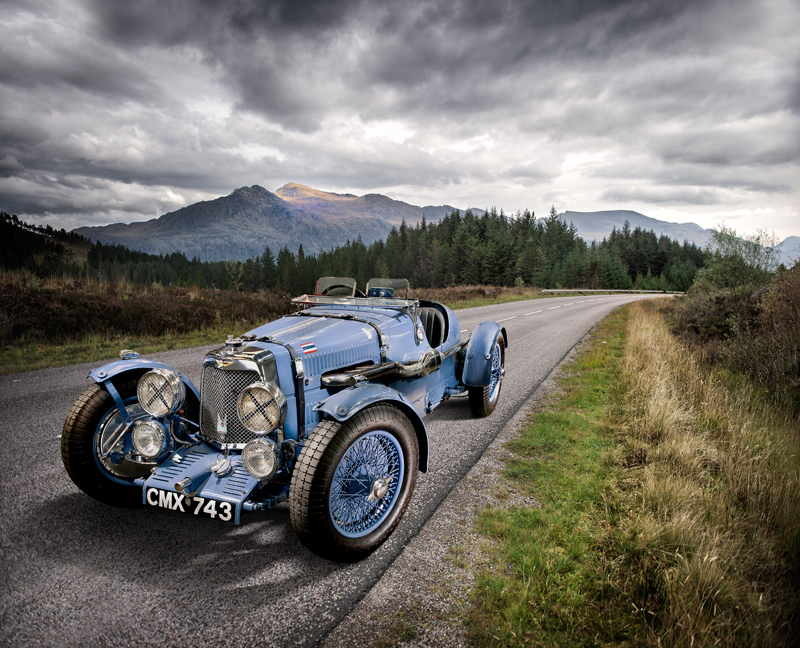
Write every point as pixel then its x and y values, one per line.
pixel 74 572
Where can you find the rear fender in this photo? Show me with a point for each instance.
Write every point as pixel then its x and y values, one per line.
pixel 346 403
pixel 113 374
pixel 478 360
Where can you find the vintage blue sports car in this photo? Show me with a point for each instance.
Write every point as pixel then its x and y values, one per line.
pixel 323 408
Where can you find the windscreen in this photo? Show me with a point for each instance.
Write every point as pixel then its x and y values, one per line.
pixel 336 286
pixel 388 288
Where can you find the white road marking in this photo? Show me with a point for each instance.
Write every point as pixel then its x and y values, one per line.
pixel 533 313
pixel 506 319
pixel 553 307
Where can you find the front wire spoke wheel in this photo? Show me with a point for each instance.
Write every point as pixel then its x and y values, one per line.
pixel 366 484
pixel 353 482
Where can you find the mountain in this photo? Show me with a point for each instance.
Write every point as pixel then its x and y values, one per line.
pixel 239 226
pixel 790 250
pixel 598 225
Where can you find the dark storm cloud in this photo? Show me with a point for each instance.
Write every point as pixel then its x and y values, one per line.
pixel 434 56
pixel 133 107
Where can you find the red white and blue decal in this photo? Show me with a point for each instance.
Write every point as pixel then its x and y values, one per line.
pixel 308 347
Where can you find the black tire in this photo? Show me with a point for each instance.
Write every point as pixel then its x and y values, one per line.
pixel 331 483
pixel 93 418
pixel 483 400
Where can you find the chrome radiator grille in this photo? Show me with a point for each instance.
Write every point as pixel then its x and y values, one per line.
pixel 219 391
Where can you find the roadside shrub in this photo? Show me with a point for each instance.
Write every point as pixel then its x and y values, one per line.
pixel 756 334
pixel 767 350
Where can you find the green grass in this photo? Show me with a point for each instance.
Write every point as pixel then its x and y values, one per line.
pixel 546 586
pixel 26 356
pixel 490 301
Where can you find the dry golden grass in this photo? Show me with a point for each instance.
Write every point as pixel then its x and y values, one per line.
pixel 469 296
pixel 715 469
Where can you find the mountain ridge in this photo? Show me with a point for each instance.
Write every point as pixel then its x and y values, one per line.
pixel 243 223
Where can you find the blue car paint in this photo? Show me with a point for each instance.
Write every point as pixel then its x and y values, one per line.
pixel 349 402
pixel 478 363
pixel 106 374
pixel 195 463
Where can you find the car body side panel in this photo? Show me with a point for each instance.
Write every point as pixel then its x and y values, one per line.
pixel 346 403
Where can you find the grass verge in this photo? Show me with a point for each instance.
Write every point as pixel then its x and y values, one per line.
pixel 669 507
pixel 27 356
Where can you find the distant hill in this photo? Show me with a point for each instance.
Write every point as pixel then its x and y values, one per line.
pixel 598 225
pixel 239 226
pixel 790 250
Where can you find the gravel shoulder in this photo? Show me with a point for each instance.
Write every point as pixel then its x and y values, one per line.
pixel 422 598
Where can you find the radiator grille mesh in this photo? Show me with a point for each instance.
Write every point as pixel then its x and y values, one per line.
pixel 220 390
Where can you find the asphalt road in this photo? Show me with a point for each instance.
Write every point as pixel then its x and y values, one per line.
pixel 74 572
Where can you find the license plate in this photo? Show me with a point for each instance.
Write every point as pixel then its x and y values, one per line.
pixel 196 506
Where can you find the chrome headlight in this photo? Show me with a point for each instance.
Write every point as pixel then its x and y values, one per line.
pixel 149 439
pixel 160 392
pixel 261 458
pixel 261 407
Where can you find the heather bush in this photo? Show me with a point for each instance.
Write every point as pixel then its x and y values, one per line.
pixel 58 311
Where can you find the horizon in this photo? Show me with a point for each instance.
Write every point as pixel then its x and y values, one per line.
pixel 685 112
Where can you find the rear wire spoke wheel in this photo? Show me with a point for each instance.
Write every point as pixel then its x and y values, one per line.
pixel 483 400
pixel 353 482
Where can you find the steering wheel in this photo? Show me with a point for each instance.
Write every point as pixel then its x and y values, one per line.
pixel 335 286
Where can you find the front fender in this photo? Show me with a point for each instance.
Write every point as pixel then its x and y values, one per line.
pixel 478 361
pixel 112 374
pixel 348 402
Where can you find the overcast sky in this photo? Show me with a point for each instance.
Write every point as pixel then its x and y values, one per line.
pixel 683 110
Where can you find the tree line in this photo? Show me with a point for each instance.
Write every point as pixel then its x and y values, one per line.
pixel 494 249
pixel 462 249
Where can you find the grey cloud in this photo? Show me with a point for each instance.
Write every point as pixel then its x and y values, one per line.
pixel 665 195
pixel 22 133
pixel 730 148
pixel 444 57
pixel 683 175
pixel 10 166
pixel 88 71
pixel 530 173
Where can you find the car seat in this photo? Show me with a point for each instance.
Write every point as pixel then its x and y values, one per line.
pixel 433 324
